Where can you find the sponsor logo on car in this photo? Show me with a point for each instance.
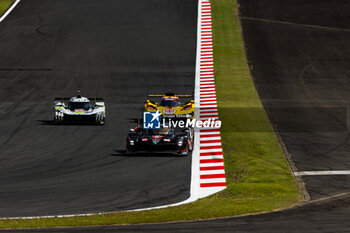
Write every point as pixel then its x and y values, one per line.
pixel 79 111
pixel 156 139
pixel 169 111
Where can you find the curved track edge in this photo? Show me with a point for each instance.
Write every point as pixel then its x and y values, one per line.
pixel 200 187
pixel 8 11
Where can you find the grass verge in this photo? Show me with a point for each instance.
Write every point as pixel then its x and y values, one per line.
pixel 4 5
pixel 258 175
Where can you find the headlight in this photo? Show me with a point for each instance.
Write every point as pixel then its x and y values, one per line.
pixel 180 142
pixel 132 143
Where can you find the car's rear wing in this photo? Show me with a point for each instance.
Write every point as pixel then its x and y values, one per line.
pixel 68 98
pixel 182 96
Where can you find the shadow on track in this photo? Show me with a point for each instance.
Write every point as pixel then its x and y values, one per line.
pixel 53 123
pixel 122 153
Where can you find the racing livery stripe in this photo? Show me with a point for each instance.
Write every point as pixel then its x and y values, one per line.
pixel 210 148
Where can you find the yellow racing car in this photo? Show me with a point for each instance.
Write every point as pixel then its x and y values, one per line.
pixel 170 105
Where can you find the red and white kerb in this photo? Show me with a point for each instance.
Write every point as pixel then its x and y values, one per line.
pixel 211 161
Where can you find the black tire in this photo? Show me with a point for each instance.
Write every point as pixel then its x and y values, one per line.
pixel 182 153
pixel 130 152
pixel 190 146
pixel 102 122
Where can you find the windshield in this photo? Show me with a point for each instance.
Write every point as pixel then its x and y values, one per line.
pixel 169 103
pixel 161 131
pixel 79 105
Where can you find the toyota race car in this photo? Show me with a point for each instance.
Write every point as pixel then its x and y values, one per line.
pixel 79 109
pixel 166 139
pixel 170 106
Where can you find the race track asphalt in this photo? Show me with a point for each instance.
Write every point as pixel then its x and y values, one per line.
pixel 299 54
pixel 298 51
pixel 119 50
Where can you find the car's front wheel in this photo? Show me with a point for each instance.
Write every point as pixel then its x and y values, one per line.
pixel 184 151
pixel 100 119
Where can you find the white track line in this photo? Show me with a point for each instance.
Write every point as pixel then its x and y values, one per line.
pixel 322 173
pixel 9 10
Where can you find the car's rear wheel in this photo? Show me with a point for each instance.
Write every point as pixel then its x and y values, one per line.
pixel 190 135
pixel 129 151
pixel 190 145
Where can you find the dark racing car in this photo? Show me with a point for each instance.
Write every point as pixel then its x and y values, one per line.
pixel 166 139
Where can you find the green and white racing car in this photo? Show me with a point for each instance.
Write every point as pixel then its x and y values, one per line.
pixel 79 109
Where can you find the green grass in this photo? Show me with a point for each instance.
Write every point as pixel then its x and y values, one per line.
pixel 258 176
pixel 254 162
pixel 4 5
